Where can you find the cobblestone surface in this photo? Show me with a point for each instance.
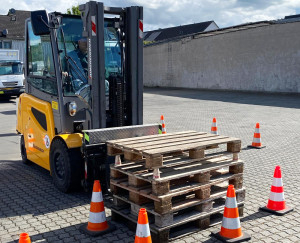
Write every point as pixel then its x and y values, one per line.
pixel 30 203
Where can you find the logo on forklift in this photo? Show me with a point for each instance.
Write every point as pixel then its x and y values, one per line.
pixel 47 141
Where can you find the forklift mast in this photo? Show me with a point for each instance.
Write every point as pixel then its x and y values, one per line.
pixel 125 103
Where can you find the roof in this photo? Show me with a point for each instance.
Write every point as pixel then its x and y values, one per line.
pixel 241 27
pixel 15 24
pixel 172 32
pixel 292 16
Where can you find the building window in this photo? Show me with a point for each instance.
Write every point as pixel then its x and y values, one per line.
pixel 5 44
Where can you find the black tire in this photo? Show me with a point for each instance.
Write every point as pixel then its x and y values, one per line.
pixel 66 166
pixel 23 151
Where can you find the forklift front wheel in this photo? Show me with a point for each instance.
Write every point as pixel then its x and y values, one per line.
pixel 65 166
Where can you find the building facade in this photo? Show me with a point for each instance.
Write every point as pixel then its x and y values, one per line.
pixel 12 31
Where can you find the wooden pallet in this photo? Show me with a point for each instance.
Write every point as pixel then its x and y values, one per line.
pixel 176 170
pixel 155 147
pixel 181 206
pixel 190 222
pixel 181 185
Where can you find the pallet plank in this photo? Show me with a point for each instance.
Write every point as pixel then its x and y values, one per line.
pixel 157 143
pixel 181 143
pixel 187 146
pixel 186 167
pixel 145 138
pixel 179 190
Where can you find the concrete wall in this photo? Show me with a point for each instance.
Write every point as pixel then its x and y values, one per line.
pixel 258 59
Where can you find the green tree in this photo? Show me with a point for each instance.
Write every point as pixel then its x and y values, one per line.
pixel 74 10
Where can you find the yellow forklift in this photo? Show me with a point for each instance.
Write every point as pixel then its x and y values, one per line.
pixel 84 86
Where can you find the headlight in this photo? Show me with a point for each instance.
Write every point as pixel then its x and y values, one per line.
pixel 72 108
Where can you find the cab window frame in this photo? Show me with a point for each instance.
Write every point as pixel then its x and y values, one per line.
pixel 48 79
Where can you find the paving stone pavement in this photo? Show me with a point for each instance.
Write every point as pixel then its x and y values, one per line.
pixel 30 203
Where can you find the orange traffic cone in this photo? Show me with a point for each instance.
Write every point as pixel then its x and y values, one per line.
pixel 162 126
pixel 97 224
pixel 24 238
pixel 231 230
pixel 214 128
pixel 276 203
pixel 256 139
pixel 142 234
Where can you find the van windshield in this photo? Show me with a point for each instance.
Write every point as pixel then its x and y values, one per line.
pixel 10 68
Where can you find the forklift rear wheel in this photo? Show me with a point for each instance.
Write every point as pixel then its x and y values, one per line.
pixel 65 166
pixel 23 151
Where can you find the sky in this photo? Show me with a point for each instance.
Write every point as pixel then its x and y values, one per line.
pixel 168 13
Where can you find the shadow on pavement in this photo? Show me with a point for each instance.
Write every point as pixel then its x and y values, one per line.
pixel 264 99
pixel 28 189
pixel 8 134
pixel 211 240
pixel 73 234
pixel 11 112
pixel 255 215
pixel 249 148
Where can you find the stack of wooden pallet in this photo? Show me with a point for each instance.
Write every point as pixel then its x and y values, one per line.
pixel 191 187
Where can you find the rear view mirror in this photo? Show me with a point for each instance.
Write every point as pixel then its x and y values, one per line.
pixel 39 22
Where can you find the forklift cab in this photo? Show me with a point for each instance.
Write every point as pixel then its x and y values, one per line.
pixel 100 86
pixel 82 73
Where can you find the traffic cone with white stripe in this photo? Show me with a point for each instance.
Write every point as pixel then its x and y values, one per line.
pixel 162 126
pixel 142 234
pixel 276 203
pixel 24 238
pixel 214 128
pixel 97 224
pixel 256 143
pixel 231 230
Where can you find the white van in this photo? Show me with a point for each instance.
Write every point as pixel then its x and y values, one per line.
pixel 11 73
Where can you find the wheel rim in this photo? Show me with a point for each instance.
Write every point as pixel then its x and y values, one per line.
pixel 59 165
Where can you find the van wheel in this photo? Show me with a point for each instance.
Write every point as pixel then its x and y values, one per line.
pixel 23 151
pixel 65 166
